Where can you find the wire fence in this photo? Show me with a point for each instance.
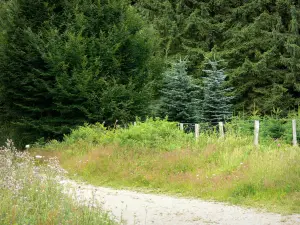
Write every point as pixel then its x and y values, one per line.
pixel 263 130
pixel 268 129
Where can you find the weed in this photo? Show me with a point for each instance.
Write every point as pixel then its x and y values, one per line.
pixel 157 155
pixel 30 194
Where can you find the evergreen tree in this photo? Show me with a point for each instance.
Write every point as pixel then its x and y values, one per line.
pixel 180 97
pixel 257 56
pixel 258 40
pixel 291 55
pixel 217 100
pixel 188 27
pixel 63 63
pixel 24 88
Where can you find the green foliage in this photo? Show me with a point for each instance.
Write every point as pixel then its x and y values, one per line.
pixel 181 98
pixel 190 28
pixel 153 134
pixel 66 63
pixel 89 133
pixel 157 155
pixel 31 194
pixel 217 101
pixel 258 39
pixel 272 129
pixel 257 52
pixel 244 190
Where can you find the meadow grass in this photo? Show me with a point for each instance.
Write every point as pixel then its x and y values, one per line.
pixel 30 193
pixel 157 156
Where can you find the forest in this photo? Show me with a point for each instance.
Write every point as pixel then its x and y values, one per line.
pixel 64 63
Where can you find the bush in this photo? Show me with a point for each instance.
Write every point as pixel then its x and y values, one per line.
pixel 88 133
pixel 271 129
pixel 153 134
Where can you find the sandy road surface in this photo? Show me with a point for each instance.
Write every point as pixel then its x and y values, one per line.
pixel 135 208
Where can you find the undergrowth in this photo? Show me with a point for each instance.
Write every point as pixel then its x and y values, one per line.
pixel 158 156
pixel 30 193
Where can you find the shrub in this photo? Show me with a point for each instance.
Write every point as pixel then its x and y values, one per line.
pixel 88 133
pixel 155 134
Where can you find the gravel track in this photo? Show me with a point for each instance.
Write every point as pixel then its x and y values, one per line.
pixel 133 208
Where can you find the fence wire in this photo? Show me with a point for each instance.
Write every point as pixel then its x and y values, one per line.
pixel 270 128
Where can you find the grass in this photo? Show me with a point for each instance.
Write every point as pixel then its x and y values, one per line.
pixel 30 194
pixel 156 156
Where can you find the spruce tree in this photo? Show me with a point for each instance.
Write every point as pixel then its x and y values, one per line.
pixel 64 63
pixel 188 27
pixel 217 105
pixel 258 38
pixel 25 98
pixel 291 55
pixel 180 99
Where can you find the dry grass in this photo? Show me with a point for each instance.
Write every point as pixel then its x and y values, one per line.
pixel 229 170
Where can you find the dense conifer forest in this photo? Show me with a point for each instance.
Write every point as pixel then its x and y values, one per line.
pixel 64 63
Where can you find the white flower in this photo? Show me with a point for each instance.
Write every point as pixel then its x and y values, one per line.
pixel 27 146
pixel 38 156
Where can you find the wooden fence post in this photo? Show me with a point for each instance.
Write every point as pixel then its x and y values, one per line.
pixel 197 131
pixel 256 132
pixel 294 133
pixel 221 129
pixel 181 126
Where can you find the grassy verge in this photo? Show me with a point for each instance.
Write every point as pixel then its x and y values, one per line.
pixel 31 195
pixel 157 156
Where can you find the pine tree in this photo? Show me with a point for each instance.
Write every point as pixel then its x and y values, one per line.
pixel 217 105
pixel 180 96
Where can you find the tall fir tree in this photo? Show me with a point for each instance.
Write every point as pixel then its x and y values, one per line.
pixel 258 39
pixel 255 50
pixel 24 87
pixel 63 63
pixel 217 105
pixel 180 99
pixel 188 27
pixel 290 58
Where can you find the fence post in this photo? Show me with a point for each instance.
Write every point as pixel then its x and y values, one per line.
pixel 181 126
pixel 294 132
pixel 197 131
pixel 256 132
pixel 221 129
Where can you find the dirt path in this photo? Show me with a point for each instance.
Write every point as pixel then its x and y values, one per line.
pixel 145 209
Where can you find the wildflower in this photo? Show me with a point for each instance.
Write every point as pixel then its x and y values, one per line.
pixel 27 146
pixel 38 156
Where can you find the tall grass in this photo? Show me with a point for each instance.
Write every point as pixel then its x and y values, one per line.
pixel 158 156
pixel 30 194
